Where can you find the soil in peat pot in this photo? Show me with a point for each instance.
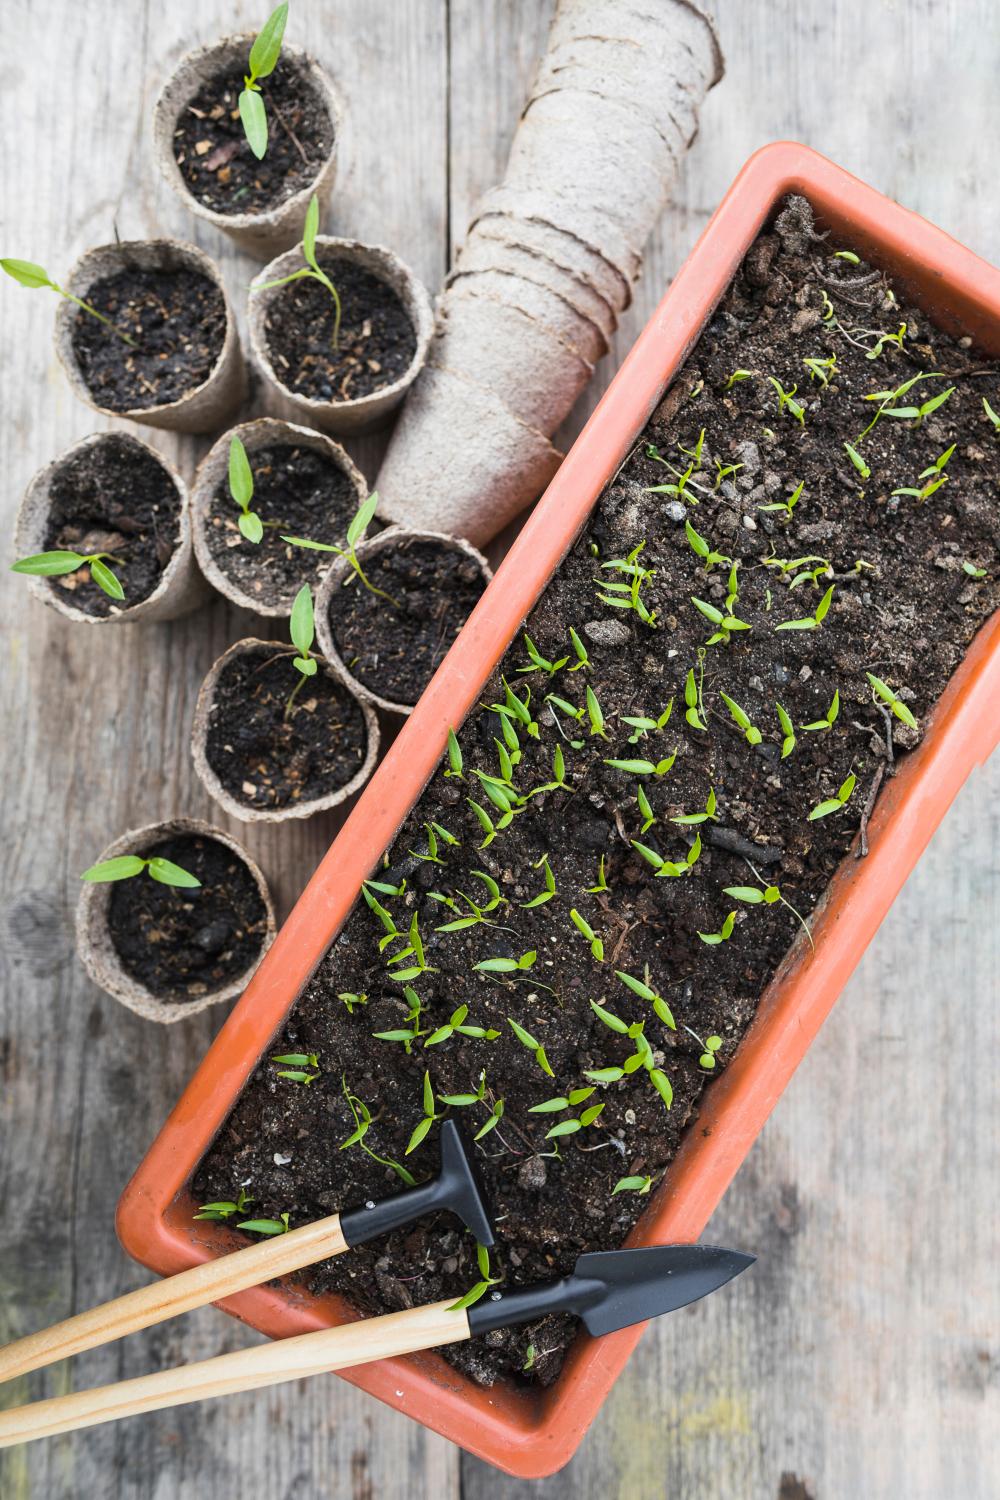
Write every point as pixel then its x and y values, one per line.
pixel 297 492
pixel 214 156
pixel 375 344
pixel 266 758
pixel 113 497
pixel 394 646
pixel 904 606
pixel 177 321
pixel 182 943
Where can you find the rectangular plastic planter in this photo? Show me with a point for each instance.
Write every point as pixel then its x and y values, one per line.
pixel 524 1432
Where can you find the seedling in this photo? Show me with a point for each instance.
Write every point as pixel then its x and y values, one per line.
pixel 496 1115
pixel 667 867
pixel 628 595
pixel 429 1116
pixel 891 700
pixel 648 816
pixel 355 534
pixel 362 1125
pixel 690 820
pixel 724 472
pixel 642 1057
pixel 642 724
pixel 454 757
pixel 857 460
pixel 352 1001
pixel 456 1026
pixel 515 709
pixel 412 1031
pixel 725 932
pixel 533 1045
pixel 643 767
pixel 539 662
pixel 786 506
pixel 822 370
pixel 602 881
pixel 266 1226
pixel 645 991
pixel 312 270
pixel 848 255
pixel 765 895
pixel 388 921
pixel 632 1185
pixel 127 865
pixel 737 376
pixel 584 928
pixel 550 885
pixel 506 965
pixel 786 400
pixel 702 549
pixel 462 1101
pixel 28 274
pixel 813 621
pixel 302 631
pixel 741 719
pixel 709 1046
pixel 787 730
pixel 57 564
pixel 558 782
pixel 241 489
pixel 294 1065
pixel 570 1101
pixel 834 804
pixel 482 1286
pixel 972 570
pixel 580 651
pixel 559 706
pixel 875 352
pixel 414 949
pixel 263 59
pixel 437 835
pixel 887 400
pixel 934 474
pixel 787 565
pixel 987 408
pixel 694 712
pixel 595 714
pixel 726 623
pixel 219 1212
pixel 829 718
pixel 474 914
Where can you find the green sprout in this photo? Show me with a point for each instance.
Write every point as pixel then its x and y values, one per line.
pixel 595 714
pixel 539 662
pixel 645 991
pixel 987 408
pixel 709 1046
pixel 482 1286
pixel 580 650
pixel 266 1226
pixel 690 820
pixel 857 461
pixel 506 965
pixel 742 721
pixel 829 718
pixel 724 472
pixel 737 376
pixel 390 931
pixel 127 865
pixel 934 474
pixel 787 730
pixel 848 255
pixel 355 534
pixel 312 270
pixel 971 569
pixel 549 889
pixel 725 932
pixel 602 881
pixel 362 1125
pixel 875 352
pixel 822 370
pixel 787 565
pixel 642 724
pixel 702 549
pixel 887 400
pixel 559 706
pixel 569 1101
pixel 694 711
pixel 28 274
pixel 241 489
pixel 294 1065
pixel 472 915
pixel 632 1185
pixel 726 622
pixel 219 1212
pixel 766 895
pixel 787 399
pixel 462 1101
pixel 414 949
pixel 454 757
pixel 628 595
pixel 834 804
pixel 642 1057
pixel 495 1116
pixel 786 506
pixel 57 564
pixel 301 628
pixel 584 928
pixel 429 1116
pixel 643 767
pixel 533 1045
pixel 515 709
pixel 456 1026
pixel 437 835
pixel 352 1001
pixel 263 59
pixel 648 816
pixel 892 701
pixel 667 867
pixel 813 621
pixel 412 1031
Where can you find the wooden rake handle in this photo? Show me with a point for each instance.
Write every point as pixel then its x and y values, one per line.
pixel 246 1370
pixel 217 1278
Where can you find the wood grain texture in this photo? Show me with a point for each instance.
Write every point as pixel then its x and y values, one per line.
pixel 856 1358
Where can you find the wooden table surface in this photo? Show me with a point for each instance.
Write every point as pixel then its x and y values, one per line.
pixel 861 1358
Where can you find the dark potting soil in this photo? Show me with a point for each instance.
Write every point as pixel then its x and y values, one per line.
pixel 183 943
pixel 297 492
pixel 267 759
pixel 904 606
pixel 375 345
pixel 214 157
pixel 177 320
pixel 113 497
pixel 394 646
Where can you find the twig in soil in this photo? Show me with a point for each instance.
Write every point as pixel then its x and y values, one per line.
pixel 290 133
pixel 887 718
pixel 734 843
pixel 866 812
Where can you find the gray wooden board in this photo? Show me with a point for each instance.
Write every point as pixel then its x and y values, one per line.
pixel 860 1356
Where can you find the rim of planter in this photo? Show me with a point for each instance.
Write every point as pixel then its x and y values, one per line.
pixel 393 536
pixel 97 952
pixel 533 1433
pixel 209 404
pixel 345 417
pixel 270 229
pixel 214 787
pixel 213 470
pixel 181 587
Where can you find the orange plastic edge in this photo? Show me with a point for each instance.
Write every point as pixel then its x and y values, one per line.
pixel 523 1433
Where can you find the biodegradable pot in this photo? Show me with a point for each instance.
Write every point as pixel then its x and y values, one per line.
pixel 532 1433
pixel 388 540
pixel 181 587
pixel 213 471
pixel 208 405
pixel 97 951
pixel 221 795
pixel 270 230
pixel 345 417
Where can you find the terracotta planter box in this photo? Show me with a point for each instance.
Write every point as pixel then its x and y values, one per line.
pixel 531 1433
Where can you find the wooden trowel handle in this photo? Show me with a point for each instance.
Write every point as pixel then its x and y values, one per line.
pixel 247 1369
pixel 200 1285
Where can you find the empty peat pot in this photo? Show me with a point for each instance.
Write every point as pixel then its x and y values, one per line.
pixel 112 494
pixel 169 951
pixel 202 150
pixel 389 648
pixel 304 485
pixel 172 358
pixel 269 744
pixel 348 382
